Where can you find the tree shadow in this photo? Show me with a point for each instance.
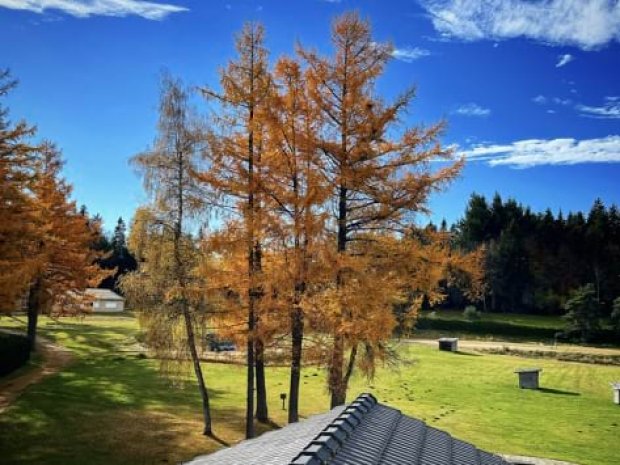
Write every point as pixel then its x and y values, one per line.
pixel 470 354
pixel 558 391
pixel 219 440
pixel 118 405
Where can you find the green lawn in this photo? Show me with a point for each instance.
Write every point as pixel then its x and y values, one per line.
pixel 111 407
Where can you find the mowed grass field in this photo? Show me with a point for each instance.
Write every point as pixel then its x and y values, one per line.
pixel 111 407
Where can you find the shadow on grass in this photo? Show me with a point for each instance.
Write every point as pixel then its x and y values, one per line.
pixel 471 354
pixel 111 409
pixel 219 440
pixel 558 391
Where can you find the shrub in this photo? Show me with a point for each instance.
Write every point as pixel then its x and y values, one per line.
pixel 615 315
pixel 583 312
pixel 471 313
pixel 14 352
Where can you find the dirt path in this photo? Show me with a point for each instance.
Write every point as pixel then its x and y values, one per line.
pixel 53 358
pixel 523 346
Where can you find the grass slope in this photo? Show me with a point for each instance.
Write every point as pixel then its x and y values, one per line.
pixel 110 407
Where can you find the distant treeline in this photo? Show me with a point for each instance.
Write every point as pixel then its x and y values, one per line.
pixel 535 260
pixel 116 256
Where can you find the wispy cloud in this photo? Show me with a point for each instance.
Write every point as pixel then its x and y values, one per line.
pixel 610 109
pixel 563 60
pixel 587 24
pixel 472 109
pixel 543 100
pixel 562 101
pixel 409 54
pixel 86 8
pixel 538 152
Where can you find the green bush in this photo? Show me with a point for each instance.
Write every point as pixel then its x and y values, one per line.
pixel 504 329
pixel 471 313
pixel 583 313
pixel 14 352
pixel 484 327
pixel 615 315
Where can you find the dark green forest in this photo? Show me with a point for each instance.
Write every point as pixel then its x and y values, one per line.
pixel 535 262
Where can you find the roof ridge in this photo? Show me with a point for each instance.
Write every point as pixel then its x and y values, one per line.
pixel 329 441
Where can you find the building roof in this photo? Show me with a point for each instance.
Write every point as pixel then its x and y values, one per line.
pixel 103 294
pixel 362 433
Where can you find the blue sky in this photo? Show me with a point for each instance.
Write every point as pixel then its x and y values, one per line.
pixel 530 88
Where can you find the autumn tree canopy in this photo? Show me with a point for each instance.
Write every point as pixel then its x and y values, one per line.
pixel 378 180
pixel 166 288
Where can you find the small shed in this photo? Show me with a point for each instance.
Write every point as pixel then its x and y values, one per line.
pixel 529 377
pixel 106 301
pixel 449 344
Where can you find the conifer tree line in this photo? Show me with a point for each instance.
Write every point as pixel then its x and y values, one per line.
pixel 283 217
pixel 534 261
pixel 116 255
pixel 47 258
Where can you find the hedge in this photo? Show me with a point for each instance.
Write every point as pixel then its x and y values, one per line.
pixel 14 352
pixel 498 328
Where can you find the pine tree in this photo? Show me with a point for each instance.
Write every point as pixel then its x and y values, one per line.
pixel 118 239
pixel 583 312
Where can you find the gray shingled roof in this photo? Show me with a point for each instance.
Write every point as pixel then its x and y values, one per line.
pixel 363 433
pixel 103 294
pixel 277 447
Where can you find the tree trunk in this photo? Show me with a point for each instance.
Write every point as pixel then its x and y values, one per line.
pixel 249 403
pixel 34 302
pixel 262 411
pixel 336 384
pixel 204 394
pixel 297 331
pixel 350 367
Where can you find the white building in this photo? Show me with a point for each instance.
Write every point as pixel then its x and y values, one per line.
pixel 106 301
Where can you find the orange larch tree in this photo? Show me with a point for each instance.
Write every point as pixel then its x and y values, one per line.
pixel 377 180
pixel 294 194
pixel 18 157
pixel 165 286
pixel 64 261
pixel 234 156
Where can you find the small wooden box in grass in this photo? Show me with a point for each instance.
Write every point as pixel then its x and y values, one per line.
pixel 449 344
pixel 616 388
pixel 529 377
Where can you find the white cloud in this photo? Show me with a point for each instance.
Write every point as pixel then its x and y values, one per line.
pixel 409 54
pixel 540 99
pixel 537 152
pixel 610 109
pixel 562 101
pixel 587 24
pixel 86 8
pixel 563 60
pixel 472 109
